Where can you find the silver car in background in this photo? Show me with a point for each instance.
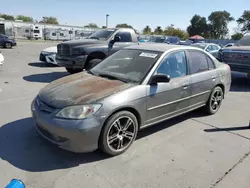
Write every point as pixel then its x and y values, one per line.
pixel 208 47
pixel 134 88
pixel 48 55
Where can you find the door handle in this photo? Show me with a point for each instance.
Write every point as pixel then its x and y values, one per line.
pixel 185 86
pixel 213 78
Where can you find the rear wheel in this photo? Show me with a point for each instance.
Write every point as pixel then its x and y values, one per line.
pixel 8 45
pixel 73 71
pixel 214 101
pixel 92 63
pixel 118 133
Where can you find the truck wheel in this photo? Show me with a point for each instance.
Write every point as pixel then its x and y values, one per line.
pixel 8 45
pixel 73 71
pixel 92 63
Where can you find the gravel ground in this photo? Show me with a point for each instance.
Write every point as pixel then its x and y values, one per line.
pixel 192 151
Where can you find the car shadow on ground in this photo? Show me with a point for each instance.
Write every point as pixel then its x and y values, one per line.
pixel 23 147
pixel 41 64
pixel 240 83
pixel 45 77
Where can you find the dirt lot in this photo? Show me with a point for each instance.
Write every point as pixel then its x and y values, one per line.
pixel 193 151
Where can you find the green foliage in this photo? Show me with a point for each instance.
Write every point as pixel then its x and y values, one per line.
pixel 244 21
pixel 158 30
pixel 171 31
pixel 7 17
pixel 24 18
pixel 91 25
pixel 147 30
pixel 124 25
pixel 236 36
pixel 49 20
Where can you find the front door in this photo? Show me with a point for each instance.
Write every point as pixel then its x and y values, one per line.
pixel 126 40
pixel 166 100
pixel 203 76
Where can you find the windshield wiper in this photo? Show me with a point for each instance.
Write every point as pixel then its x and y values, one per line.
pixel 94 38
pixel 112 77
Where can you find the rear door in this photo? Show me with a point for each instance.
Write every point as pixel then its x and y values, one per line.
pixel 203 76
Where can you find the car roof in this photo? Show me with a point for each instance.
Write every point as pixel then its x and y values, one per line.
pixel 160 47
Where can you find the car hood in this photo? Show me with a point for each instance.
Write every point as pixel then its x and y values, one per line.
pixel 83 42
pixel 78 89
pixel 52 49
pixel 236 48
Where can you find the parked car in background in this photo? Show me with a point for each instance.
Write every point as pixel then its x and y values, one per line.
pixel 48 55
pixel 164 39
pixel 136 87
pixel 237 56
pixel 209 47
pixel 6 41
pixel 186 42
pixel 77 55
pixel 1 59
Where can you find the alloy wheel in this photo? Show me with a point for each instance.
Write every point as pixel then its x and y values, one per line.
pixel 121 133
pixel 216 100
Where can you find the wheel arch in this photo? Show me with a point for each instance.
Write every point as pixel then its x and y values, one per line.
pixel 222 87
pixel 96 55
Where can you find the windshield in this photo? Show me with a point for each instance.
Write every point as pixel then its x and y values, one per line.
pixel 202 46
pixel 245 41
pixel 127 65
pixel 102 34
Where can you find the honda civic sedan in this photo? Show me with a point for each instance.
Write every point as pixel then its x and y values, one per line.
pixel 136 87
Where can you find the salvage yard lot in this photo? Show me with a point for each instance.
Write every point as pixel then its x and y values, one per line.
pixel 193 151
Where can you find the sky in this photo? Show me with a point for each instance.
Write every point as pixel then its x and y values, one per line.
pixel 137 13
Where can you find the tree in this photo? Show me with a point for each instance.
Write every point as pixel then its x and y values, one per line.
pixel 49 20
pixel 25 18
pixel 7 17
pixel 124 25
pixel 171 31
pixel 244 21
pixel 147 30
pixel 236 36
pixel 218 22
pixel 91 25
pixel 198 26
pixel 158 30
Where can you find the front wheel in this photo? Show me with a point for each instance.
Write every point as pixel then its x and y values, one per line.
pixel 92 63
pixel 8 45
pixel 214 101
pixel 118 133
pixel 73 71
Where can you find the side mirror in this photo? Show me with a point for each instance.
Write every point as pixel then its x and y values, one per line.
pixel 159 78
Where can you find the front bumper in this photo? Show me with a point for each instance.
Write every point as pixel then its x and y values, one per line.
pixel 72 135
pixel 71 62
pixel 51 59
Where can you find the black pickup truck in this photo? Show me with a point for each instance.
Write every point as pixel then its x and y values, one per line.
pixel 77 55
pixel 237 56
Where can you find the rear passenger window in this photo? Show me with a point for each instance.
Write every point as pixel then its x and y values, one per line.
pixel 197 62
pixel 210 63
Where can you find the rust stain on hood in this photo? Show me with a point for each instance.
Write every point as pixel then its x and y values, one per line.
pixel 79 88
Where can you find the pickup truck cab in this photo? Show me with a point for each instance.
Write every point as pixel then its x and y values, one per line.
pixel 77 55
pixel 237 56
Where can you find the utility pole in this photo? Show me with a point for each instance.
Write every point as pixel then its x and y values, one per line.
pixel 107 15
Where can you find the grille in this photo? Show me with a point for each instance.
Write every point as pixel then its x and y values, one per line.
pixel 63 49
pixel 44 107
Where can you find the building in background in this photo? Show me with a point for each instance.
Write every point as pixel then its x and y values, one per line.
pixel 23 30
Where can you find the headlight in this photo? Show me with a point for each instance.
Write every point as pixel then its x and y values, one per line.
pixel 78 112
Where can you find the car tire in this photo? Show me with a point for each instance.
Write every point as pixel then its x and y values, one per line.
pixel 92 63
pixel 116 137
pixel 8 45
pixel 214 101
pixel 73 71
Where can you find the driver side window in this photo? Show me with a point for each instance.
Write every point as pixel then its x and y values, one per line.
pixel 125 36
pixel 174 65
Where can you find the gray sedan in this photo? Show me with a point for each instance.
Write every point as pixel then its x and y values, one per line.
pixel 134 88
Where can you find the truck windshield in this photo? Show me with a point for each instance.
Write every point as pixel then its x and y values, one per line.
pixel 245 41
pixel 102 34
pixel 128 65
